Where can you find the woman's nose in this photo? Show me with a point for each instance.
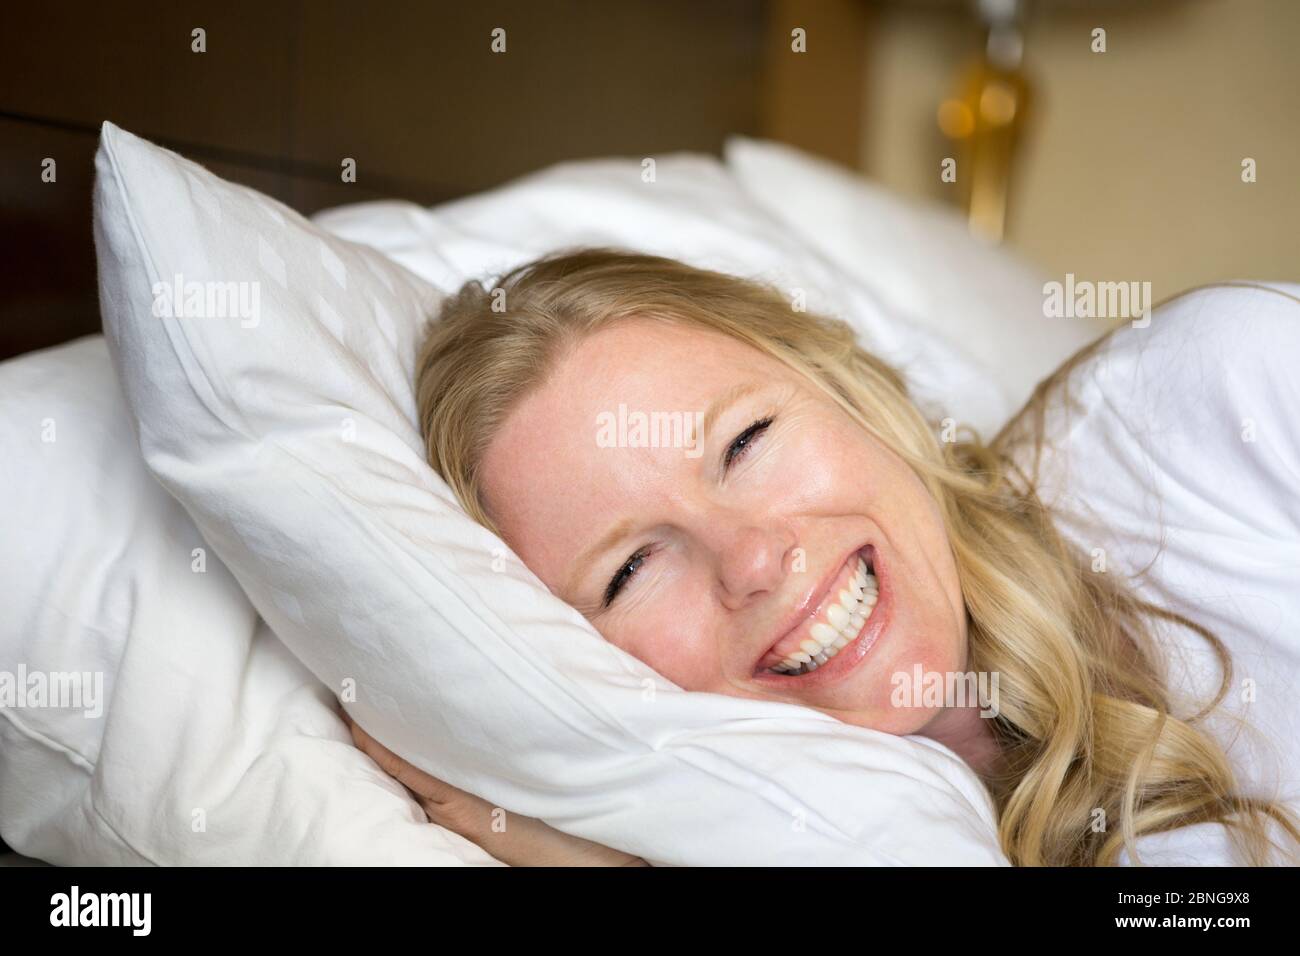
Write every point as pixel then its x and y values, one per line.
pixel 750 560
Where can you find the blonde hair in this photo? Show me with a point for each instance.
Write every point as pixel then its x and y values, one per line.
pixel 1084 723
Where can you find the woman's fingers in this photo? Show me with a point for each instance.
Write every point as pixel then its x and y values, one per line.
pixel 516 840
pixel 443 804
pixel 428 788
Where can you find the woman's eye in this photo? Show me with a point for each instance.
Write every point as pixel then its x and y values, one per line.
pixel 624 574
pixel 742 442
pixel 735 451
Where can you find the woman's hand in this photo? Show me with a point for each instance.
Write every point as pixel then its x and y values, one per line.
pixel 518 840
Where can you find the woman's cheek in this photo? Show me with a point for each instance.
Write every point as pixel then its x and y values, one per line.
pixel 674 638
pixel 831 466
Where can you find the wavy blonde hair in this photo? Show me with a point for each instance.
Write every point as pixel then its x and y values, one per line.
pixel 1085 721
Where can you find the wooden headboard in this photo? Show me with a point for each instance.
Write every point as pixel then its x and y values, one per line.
pixel 412 91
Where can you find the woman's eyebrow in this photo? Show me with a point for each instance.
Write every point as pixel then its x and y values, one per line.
pixel 725 401
pixel 607 541
pixel 620 529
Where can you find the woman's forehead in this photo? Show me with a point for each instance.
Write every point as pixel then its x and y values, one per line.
pixel 660 366
pixel 575 451
pixel 622 374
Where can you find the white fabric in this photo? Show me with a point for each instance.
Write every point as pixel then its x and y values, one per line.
pixel 210 744
pixel 1178 456
pixel 695 211
pixel 291 441
pixel 920 262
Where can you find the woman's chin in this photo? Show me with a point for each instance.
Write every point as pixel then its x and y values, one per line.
pixel 889 693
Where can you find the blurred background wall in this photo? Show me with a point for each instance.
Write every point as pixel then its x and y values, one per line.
pixel 1130 166
pixel 284 90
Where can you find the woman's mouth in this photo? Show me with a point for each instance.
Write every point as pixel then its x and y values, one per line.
pixel 844 627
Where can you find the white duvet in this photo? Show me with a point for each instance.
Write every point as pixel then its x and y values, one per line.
pixel 1179 463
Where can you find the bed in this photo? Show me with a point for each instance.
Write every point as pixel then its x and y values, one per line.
pixel 175 599
pixel 183 574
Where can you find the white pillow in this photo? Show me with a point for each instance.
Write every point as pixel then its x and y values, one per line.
pixel 918 259
pixel 201 740
pixel 292 442
pixel 693 210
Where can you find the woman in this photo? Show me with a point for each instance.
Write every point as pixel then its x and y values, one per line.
pixel 804 538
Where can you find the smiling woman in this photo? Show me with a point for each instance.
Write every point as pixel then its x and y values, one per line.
pixel 723 567
pixel 821 542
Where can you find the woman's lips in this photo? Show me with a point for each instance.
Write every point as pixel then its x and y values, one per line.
pixel 791 642
pixel 852 654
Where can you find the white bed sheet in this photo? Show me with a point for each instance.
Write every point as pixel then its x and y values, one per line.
pixel 1180 455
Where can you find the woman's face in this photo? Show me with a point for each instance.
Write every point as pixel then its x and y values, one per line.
pixel 711 560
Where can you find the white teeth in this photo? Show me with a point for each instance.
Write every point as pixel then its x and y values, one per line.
pixel 843 622
pixel 823 634
pixel 859 582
